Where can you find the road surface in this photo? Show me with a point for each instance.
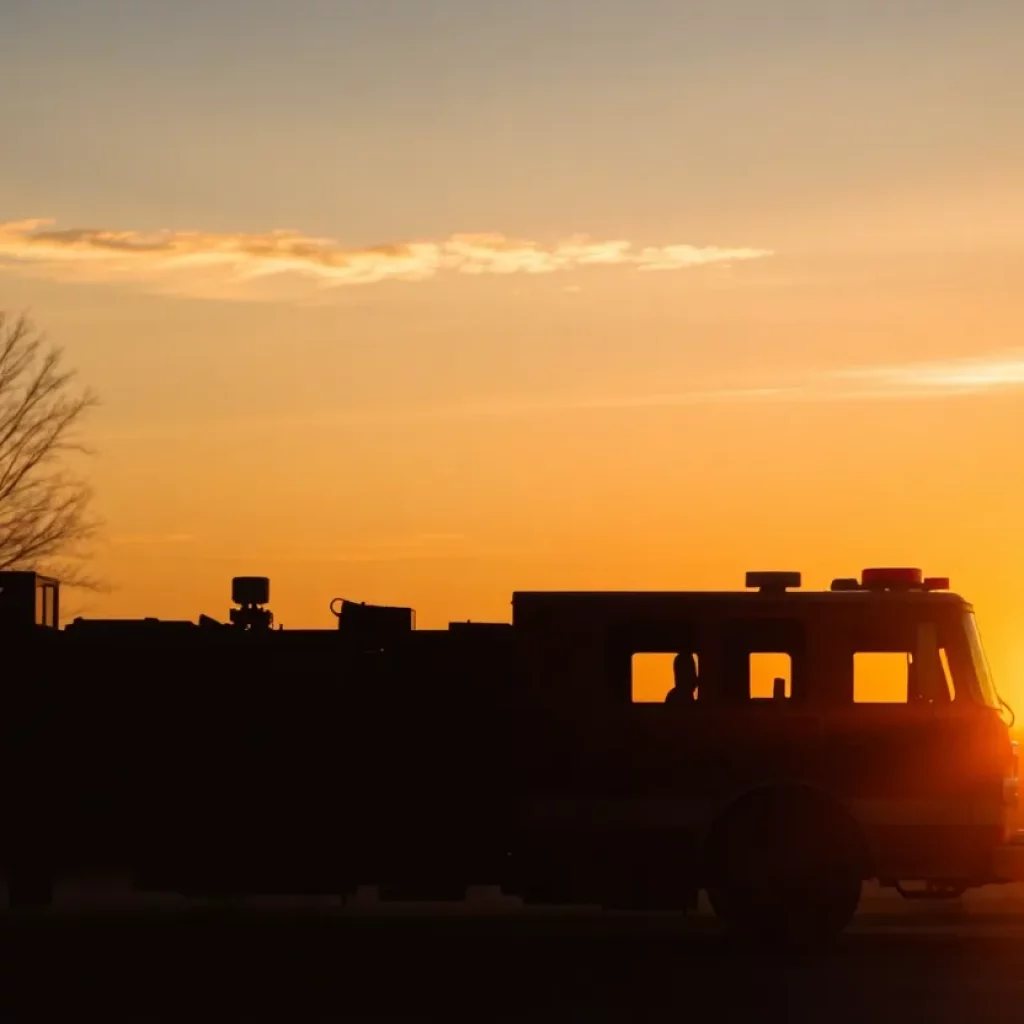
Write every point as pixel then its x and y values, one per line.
pixel 491 960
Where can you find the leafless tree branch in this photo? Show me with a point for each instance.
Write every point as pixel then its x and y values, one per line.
pixel 45 518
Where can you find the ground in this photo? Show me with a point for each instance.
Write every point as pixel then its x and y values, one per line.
pixel 98 956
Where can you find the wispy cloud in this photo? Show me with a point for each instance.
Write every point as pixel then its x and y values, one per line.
pixel 194 261
pixel 998 371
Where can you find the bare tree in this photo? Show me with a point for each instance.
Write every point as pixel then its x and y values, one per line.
pixel 45 520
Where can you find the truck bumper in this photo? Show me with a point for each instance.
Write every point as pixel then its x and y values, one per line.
pixel 1008 860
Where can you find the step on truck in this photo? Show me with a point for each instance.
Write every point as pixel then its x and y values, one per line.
pixel 540 755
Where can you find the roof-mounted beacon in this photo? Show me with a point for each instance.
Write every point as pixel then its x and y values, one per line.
pixel 251 593
pixel 773 582
pixel 899 579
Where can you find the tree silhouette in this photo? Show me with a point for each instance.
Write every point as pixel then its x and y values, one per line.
pixel 45 521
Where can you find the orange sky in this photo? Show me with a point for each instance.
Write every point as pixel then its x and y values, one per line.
pixel 791 339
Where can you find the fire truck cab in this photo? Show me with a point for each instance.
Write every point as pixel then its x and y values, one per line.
pixel 879 750
pixel 812 740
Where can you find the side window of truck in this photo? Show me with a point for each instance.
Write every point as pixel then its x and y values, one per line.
pixel 764 660
pixel 881 677
pixel 664 662
pixel 905 665
pixel 654 675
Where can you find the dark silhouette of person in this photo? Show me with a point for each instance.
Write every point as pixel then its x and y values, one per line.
pixel 685 672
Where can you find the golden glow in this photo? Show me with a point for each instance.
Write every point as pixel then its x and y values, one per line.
pixel 830 378
pixel 452 514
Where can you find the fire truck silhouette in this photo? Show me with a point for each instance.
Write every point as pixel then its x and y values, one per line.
pixel 214 758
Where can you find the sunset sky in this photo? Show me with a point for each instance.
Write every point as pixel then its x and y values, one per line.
pixel 430 300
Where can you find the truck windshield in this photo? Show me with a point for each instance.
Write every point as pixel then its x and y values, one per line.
pixel 980 662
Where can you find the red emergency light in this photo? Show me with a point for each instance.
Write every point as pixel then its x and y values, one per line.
pixel 892 579
pixel 936 583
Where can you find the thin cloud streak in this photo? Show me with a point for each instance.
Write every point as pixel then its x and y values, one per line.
pixel 600 403
pixel 197 261
pixel 996 374
pixel 999 372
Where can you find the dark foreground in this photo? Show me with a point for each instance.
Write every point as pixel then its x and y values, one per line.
pixel 319 960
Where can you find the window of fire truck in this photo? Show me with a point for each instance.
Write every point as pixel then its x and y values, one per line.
pixel 979 662
pixel 771 675
pixel 653 675
pixel 764 659
pixel 650 651
pixel 905 663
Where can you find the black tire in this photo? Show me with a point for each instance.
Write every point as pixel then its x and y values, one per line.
pixel 785 868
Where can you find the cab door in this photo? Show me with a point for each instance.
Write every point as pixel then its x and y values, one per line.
pixel 752 720
pixel 916 755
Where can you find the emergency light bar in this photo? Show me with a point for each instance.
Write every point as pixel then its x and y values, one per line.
pixel 891 579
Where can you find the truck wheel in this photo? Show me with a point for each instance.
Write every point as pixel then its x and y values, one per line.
pixel 29 888
pixel 786 869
